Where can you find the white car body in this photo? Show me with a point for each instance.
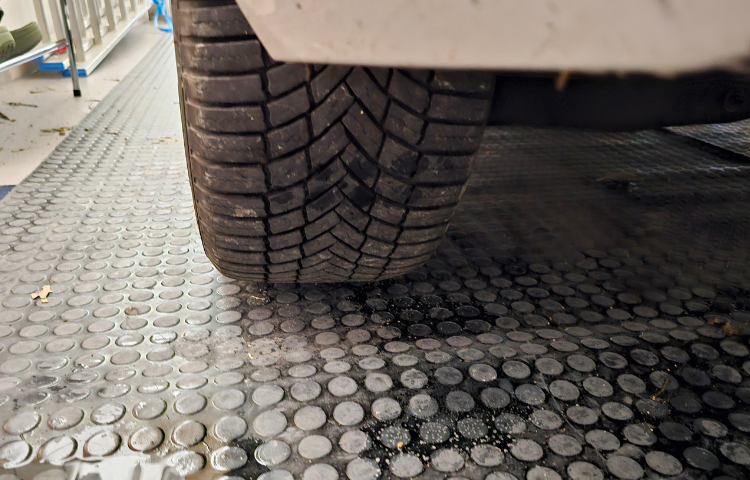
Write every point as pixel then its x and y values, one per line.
pixel 589 36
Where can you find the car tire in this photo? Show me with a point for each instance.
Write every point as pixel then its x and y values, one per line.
pixel 318 173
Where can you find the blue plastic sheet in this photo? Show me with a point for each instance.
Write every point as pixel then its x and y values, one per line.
pixel 161 11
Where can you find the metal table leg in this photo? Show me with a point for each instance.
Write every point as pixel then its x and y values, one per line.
pixel 71 53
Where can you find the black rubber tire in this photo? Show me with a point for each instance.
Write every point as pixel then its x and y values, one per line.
pixel 315 173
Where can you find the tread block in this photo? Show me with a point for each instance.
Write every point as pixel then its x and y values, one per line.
pixel 397 159
pixel 323 224
pixel 243 206
pixel 285 77
pixel 405 265
pixel 368 271
pixel 328 146
pixel 288 107
pixel 323 204
pixel 416 235
pixel 403 124
pixel 289 170
pixel 381 75
pixel 445 138
pixel 419 75
pixel 382 231
pixel 341 263
pixel 353 215
pixel 361 277
pixel 393 189
pixel 325 81
pixel 372 261
pixel 408 92
pixel 424 196
pixel 286 255
pixel 319 243
pixel 285 200
pixel 234 242
pixel 442 169
pixel 337 271
pixel 426 218
pixel 364 130
pixel 251 258
pixel 313 274
pixel 388 212
pixel 228 90
pixel 286 222
pixel 229 225
pixel 356 192
pixel 458 109
pixel 288 138
pixel 330 110
pixel 287 277
pixel 360 166
pixel 368 92
pixel 225 148
pixel 341 250
pixel 315 259
pixel 348 235
pixel 253 273
pixel 404 251
pixel 326 179
pixel 463 82
pixel 376 247
pixel 228 179
pixel 285 240
pixel 211 21
pixel 238 119
pixel 234 56
pixel 281 268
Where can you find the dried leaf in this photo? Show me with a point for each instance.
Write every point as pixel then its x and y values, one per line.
pixel 730 329
pixel 61 130
pixel 42 294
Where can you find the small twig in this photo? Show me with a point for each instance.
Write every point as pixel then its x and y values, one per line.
pixel 662 389
pixel 19 104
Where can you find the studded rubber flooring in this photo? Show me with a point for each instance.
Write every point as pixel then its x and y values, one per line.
pixel 733 137
pixel 587 318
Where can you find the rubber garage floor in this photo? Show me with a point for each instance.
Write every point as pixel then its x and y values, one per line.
pixel 587 318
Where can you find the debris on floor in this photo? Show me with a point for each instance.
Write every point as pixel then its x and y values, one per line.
pixel 60 130
pixel 18 104
pixel 42 294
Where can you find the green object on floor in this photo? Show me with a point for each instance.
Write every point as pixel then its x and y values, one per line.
pixel 26 37
pixel 7 44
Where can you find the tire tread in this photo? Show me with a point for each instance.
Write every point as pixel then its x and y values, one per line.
pixel 315 173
